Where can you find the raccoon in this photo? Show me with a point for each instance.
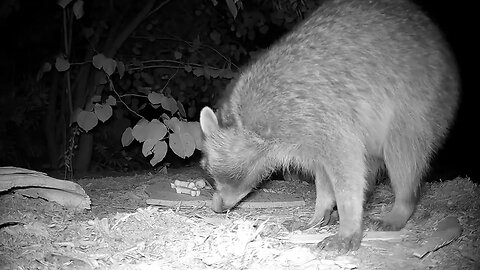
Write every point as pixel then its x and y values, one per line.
pixel 358 86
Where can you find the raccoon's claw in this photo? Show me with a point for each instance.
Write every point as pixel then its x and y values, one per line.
pixel 382 225
pixel 312 223
pixel 328 218
pixel 341 244
pixel 333 219
pixel 318 220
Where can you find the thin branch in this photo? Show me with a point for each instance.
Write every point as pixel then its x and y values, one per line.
pixel 132 95
pixel 112 87
pixel 67 43
pixel 163 60
pixel 189 43
pixel 180 66
pixel 156 66
pixel 170 79
pixel 80 63
pixel 158 7
pixel 130 28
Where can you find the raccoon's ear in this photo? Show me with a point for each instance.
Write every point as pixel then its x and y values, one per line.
pixel 208 121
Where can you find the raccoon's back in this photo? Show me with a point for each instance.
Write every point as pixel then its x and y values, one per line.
pixel 350 61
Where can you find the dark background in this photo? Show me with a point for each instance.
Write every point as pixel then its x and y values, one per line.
pixel 459 155
pixel 32 35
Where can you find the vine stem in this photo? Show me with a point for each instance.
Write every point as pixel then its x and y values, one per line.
pixel 189 43
pixel 112 87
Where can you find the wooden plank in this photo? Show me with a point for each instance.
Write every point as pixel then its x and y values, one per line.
pixel 162 194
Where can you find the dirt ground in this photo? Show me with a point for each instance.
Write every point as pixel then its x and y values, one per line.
pixel 122 232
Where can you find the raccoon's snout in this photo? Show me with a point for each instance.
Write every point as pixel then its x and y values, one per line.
pixel 222 201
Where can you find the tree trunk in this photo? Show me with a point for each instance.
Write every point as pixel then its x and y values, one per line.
pixel 83 86
pixel 84 154
pixel 84 91
pixel 54 125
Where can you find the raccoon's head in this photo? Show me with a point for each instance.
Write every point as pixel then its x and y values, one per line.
pixel 228 157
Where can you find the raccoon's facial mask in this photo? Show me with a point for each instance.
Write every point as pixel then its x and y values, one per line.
pixel 229 191
pixel 227 197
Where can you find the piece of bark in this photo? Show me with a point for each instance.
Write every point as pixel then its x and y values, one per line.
pixel 447 230
pixel 39 185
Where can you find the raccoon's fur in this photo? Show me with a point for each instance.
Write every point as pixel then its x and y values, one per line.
pixel 357 86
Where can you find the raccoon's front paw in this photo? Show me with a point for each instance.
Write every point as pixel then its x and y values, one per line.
pixel 341 244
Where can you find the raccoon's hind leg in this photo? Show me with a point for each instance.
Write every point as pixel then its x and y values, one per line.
pixel 375 166
pixel 325 200
pixel 406 153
